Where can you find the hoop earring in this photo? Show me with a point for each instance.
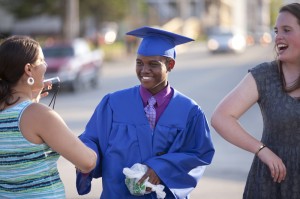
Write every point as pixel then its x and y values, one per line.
pixel 30 81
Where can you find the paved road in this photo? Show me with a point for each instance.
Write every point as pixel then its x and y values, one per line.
pixel 225 178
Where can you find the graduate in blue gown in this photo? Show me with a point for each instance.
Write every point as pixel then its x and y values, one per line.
pixel 176 150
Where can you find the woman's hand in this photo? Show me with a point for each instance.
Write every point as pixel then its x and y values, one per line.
pixel 275 164
pixel 38 94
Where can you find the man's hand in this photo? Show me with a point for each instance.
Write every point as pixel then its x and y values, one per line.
pixel 152 178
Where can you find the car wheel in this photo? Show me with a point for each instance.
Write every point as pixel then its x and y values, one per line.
pixel 94 82
pixel 77 85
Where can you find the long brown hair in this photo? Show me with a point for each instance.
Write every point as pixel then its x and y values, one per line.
pixel 294 9
pixel 15 53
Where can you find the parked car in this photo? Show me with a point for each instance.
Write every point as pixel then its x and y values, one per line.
pixel 74 63
pixel 263 37
pixel 226 42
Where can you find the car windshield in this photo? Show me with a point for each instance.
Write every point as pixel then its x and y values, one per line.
pixel 58 51
pixel 226 34
pixel 222 34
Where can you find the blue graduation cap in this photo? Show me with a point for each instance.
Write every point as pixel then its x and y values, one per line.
pixel 158 42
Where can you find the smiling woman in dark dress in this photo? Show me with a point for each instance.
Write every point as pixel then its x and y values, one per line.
pixel 275 86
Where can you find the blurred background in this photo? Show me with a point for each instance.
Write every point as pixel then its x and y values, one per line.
pixel 85 45
pixel 104 23
pixel 78 36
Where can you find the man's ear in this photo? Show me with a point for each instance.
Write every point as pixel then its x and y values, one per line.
pixel 171 64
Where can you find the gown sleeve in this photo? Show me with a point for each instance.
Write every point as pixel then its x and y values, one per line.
pixel 183 165
pixel 96 132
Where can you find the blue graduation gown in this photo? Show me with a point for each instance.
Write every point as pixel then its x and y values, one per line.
pixel 177 149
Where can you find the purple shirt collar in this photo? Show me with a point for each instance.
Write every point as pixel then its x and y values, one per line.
pixel 160 97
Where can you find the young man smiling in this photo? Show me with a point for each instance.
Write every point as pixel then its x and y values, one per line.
pixel 173 142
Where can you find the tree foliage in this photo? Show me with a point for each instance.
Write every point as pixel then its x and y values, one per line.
pixel 24 9
pixel 98 10
pixel 102 10
pixel 275 6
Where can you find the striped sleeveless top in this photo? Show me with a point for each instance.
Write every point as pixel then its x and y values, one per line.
pixel 27 170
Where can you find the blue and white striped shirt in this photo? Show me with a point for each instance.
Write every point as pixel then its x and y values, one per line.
pixel 27 170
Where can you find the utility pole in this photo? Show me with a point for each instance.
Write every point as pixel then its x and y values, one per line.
pixel 71 20
pixel 184 8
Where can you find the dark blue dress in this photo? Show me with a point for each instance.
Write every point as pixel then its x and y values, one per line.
pixel 281 133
